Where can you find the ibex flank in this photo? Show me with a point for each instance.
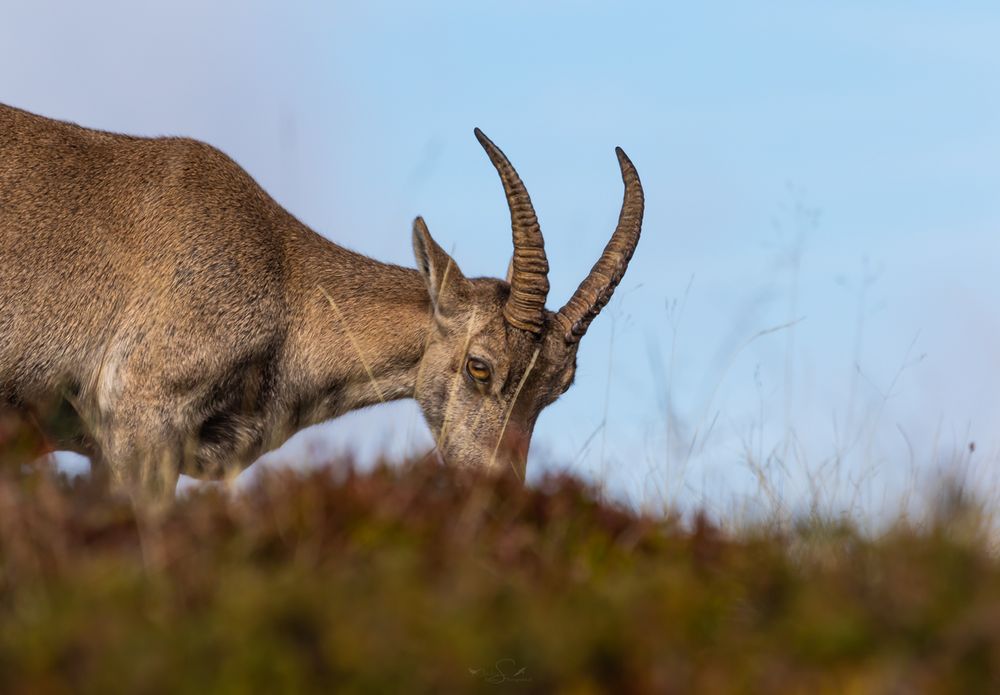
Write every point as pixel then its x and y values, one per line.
pixel 181 321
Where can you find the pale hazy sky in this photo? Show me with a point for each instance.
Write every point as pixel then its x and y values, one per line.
pixel 834 162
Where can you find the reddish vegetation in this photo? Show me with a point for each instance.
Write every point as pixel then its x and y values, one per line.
pixel 415 579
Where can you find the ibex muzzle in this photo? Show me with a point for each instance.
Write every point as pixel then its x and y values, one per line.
pixel 188 323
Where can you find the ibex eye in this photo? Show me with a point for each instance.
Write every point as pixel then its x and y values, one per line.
pixel 478 370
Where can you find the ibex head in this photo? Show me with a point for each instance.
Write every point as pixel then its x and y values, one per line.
pixel 496 356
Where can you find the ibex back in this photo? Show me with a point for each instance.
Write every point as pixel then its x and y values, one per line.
pixel 186 322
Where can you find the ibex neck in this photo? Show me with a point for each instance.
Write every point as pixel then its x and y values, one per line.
pixel 361 333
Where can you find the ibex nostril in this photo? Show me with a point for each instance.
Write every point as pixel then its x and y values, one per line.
pixel 515 443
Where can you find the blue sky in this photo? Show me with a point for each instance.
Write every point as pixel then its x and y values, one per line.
pixel 837 164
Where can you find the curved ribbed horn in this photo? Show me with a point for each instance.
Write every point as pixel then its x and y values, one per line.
pixel 595 291
pixel 529 281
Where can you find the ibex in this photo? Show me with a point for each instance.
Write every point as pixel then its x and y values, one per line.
pixel 187 322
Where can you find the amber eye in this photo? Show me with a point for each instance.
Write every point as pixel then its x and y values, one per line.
pixel 478 370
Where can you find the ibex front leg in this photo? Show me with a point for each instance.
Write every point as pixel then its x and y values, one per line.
pixel 143 452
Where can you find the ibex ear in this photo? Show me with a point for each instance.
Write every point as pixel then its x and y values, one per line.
pixel 444 280
pixel 510 270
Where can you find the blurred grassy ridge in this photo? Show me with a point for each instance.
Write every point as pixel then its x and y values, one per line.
pixel 415 579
